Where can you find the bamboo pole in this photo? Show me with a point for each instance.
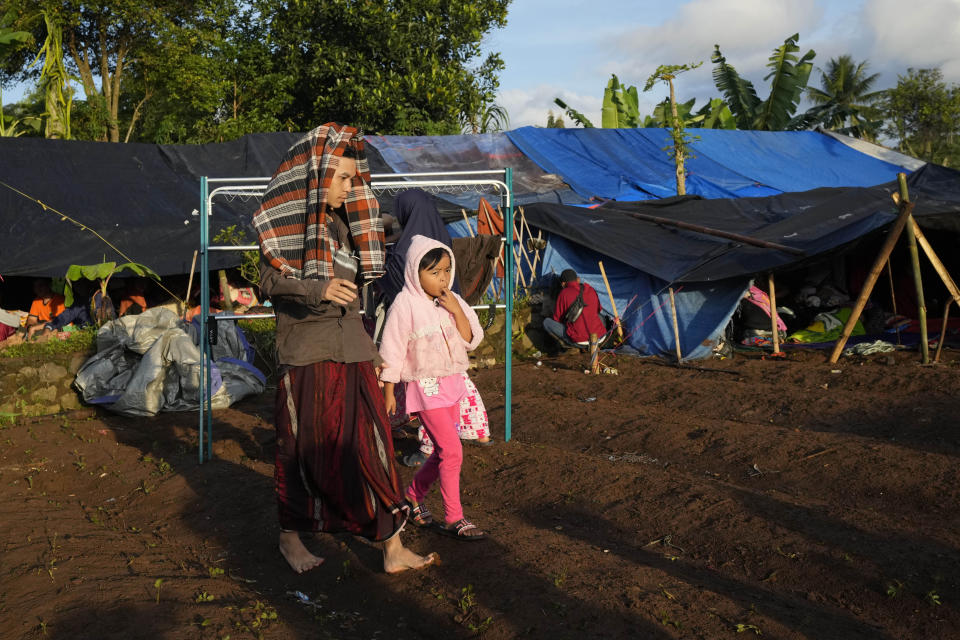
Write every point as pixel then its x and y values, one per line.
pixel 613 303
pixel 719 233
pixel 467 220
pixel 917 279
pixel 676 326
pixel 516 256
pixel 893 296
pixel 193 266
pixel 773 313
pixel 885 250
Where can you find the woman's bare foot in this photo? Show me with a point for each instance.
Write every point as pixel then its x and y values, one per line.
pixel 297 555
pixel 397 558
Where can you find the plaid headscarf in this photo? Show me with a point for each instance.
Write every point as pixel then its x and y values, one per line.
pixel 291 222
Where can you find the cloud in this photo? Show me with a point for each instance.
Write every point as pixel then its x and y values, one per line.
pixel 530 106
pixel 746 30
pixel 922 35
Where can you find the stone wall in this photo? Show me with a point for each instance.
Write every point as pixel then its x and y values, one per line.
pixel 35 385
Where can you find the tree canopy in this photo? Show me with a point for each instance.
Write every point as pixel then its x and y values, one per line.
pixel 923 116
pixel 175 71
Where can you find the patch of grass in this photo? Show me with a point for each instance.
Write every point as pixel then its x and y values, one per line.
pixel 894 589
pixel 560 577
pixel 80 341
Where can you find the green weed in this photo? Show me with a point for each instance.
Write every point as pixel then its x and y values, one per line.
pixel 894 589
pixel 741 627
pixel 560 577
pixel 203 596
pixel 215 572
pixel 157 584
pixel 933 598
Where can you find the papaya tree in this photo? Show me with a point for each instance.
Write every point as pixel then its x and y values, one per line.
pixel 681 141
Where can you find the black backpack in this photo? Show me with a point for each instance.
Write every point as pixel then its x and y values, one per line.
pixel 575 309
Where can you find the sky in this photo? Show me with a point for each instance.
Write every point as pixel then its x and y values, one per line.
pixel 568 48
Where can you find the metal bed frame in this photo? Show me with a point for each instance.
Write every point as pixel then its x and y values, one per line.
pixel 500 181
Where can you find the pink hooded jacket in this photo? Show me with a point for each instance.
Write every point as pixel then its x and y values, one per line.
pixel 420 339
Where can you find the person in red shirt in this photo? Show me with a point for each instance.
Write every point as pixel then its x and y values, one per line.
pixel 576 332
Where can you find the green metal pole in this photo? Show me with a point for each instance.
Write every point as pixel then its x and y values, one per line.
pixel 917 280
pixel 508 326
pixel 204 309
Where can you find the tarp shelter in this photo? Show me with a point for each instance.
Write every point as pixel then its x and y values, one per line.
pixel 631 164
pixel 143 198
pixel 711 273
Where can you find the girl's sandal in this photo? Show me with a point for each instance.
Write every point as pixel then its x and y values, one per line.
pixel 463 529
pixel 420 515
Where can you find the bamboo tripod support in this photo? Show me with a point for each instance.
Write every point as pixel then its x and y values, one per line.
pixel 892 237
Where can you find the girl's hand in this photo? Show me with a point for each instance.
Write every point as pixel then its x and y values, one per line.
pixel 340 291
pixel 390 401
pixel 449 301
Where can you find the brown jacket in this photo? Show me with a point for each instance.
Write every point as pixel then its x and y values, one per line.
pixel 311 329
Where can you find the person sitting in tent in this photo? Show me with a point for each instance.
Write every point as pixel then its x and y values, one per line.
pixel 576 314
pixel 134 301
pixel 85 310
pixel 46 305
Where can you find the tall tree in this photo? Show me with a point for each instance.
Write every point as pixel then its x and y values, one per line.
pixel 850 106
pixel 923 115
pixel 788 78
pixel 390 67
pixel 104 41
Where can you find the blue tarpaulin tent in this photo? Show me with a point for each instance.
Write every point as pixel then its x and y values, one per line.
pixel 631 164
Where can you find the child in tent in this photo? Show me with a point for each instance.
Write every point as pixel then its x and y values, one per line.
pixel 428 332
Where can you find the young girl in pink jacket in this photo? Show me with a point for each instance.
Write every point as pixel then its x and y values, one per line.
pixel 428 332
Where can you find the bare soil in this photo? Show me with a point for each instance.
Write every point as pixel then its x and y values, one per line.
pixel 784 498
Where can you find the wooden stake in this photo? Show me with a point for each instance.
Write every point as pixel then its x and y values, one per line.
pixel 467 220
pixel 594 360
pixel 773 312
pixel 943 330
pixel 613 303
pixel 885 250
pixel 193 266
pixel 676 326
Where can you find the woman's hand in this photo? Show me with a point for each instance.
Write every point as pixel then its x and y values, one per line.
pixel 340 291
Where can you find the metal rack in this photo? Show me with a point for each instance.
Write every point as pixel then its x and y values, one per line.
pixel 391 183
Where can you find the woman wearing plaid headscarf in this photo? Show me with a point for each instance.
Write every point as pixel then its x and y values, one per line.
pixel 321 235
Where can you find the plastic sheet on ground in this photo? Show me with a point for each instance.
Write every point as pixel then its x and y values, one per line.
pixel 150 363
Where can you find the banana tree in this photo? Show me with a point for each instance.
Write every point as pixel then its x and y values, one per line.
pixel 620 108
pixel 788 77
pixel 100 273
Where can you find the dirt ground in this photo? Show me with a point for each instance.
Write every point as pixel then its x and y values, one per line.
pixel 776 498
